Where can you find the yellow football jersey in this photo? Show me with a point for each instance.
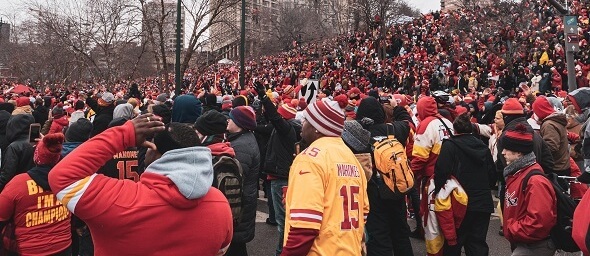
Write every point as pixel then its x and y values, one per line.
pixel 327 191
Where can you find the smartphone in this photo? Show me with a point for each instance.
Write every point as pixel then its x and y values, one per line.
pixel 34 132
pixel 384 99
pixel 297 148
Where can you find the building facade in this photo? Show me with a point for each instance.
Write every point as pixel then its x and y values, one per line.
pixel 225 36
pixel 161 19
pixel 4 32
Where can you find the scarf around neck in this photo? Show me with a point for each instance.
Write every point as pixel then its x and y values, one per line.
pixel 525 161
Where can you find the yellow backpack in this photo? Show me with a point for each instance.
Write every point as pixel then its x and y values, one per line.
pixel 392 164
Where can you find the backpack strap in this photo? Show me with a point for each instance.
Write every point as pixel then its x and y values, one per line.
pixel 446 127
pixel 392 134
pixel 525 181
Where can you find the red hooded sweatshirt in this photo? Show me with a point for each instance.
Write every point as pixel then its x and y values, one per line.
pixel 429 136
pixel 172 210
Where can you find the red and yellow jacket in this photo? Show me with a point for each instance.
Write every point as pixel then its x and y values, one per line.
pixel 429 137
pixel 446 211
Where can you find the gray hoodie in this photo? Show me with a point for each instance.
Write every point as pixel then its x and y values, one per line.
pixel 190 169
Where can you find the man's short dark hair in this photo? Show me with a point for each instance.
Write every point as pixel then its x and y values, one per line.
pixel 184 135
pixel 176 136
pixel 79 105
pixel 162 111
pixel 462 124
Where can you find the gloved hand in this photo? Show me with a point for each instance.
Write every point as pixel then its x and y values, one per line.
pixel 261 90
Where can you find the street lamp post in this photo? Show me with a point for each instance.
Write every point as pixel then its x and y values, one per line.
pixel 243 46
pixel 178 38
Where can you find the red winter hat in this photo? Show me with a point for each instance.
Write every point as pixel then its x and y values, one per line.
pixel 354 90
pixel 460 110
pixel 48 151
pixel 23 101
pixel 287 111
pixel 302 104
pixel 542 107
pixel 512 107
pixel 402 101
pixel 226 102
pixel 326 116
pixel 288 90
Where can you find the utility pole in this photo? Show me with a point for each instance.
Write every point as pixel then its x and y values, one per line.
pixel 178 38
pixel 571 43
pixel 243 47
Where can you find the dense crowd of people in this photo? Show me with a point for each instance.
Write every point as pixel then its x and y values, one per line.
pixel 93 167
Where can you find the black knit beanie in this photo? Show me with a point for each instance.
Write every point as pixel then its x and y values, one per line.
pixel 79 131
pixel 518 138
pixel 211 123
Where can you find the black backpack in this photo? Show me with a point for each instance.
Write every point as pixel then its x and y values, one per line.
pixel 561 233
pixel 228 178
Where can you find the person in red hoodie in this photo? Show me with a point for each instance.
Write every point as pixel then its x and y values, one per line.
pixel 172 210
pixel 60 119
pixel 555 80
pixel 529 211
pixel 27 200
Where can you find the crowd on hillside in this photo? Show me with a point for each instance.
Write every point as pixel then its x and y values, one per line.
pixel 93 167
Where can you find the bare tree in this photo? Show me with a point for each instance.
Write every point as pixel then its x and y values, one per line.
pixel 99 32
pixel 378 15
pixel 295 24
pixel 202 15
pixel 497 23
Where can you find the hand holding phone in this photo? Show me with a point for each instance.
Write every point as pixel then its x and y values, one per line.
pixel 34 132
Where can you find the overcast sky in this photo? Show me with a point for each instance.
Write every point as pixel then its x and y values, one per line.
pixel 11 6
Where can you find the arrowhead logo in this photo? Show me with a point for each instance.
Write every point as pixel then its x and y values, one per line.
pixel 311 89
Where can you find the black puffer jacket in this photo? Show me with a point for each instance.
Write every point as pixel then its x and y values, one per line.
pixel 470 161
pixel 19 153
pixel 281 145
pixel 4 117
pixel 103 117
pixel 41 114
pixel 244 144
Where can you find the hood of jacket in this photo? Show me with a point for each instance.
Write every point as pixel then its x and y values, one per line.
pixel 426 107
pixel 189 172
pixel 186 109
pixel 18 127
pixel 371 108
pixel 559 118
pixel 222 149
pixel 39 174
pixel 471 146
pixel 68 147
pixel 580 98
pixel 63 121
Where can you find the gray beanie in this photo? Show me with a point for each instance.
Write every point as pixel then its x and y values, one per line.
pixel 123 111
pixel 355 136
pixel 162 97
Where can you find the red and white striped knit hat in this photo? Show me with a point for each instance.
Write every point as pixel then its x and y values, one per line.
pixel 326 116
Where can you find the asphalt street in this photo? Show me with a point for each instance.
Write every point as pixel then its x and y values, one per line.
pixel 265 241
